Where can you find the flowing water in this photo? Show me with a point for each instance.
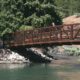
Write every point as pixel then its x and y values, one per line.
pixel 58 70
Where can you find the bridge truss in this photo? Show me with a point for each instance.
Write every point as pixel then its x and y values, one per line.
pixel 48 35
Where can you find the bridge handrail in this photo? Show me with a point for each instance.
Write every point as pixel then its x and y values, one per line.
pixel 57 33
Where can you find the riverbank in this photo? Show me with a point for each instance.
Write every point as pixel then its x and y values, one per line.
pixel 40 54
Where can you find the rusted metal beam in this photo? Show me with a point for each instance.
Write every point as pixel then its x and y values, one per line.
pixel 76 34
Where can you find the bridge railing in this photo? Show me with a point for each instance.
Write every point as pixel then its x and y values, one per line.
pixel 52 34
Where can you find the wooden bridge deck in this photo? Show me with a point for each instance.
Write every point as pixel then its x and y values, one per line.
pixel 49 35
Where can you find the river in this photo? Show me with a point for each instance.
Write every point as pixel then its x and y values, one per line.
pixel 57 70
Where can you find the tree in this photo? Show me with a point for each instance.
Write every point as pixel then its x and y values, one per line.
pixel 37 13
pixel 67 7
pixel 42 13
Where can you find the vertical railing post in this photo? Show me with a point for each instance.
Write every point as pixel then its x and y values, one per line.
pixel 23 37
pixel 41 36
pixel 32 37
pixel 72 32
pixel 50 35
pixel 61 35
pixel 56 35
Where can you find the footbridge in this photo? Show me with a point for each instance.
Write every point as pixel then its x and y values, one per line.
pixel 60 34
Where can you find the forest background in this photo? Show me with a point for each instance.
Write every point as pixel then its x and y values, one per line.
pixel 28 14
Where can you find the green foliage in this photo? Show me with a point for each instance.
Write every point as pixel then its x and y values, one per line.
pixel 45 20
pixel 67 7
pixel 73 51
pixel 24 27
pixel 37 13
pixel 7 30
